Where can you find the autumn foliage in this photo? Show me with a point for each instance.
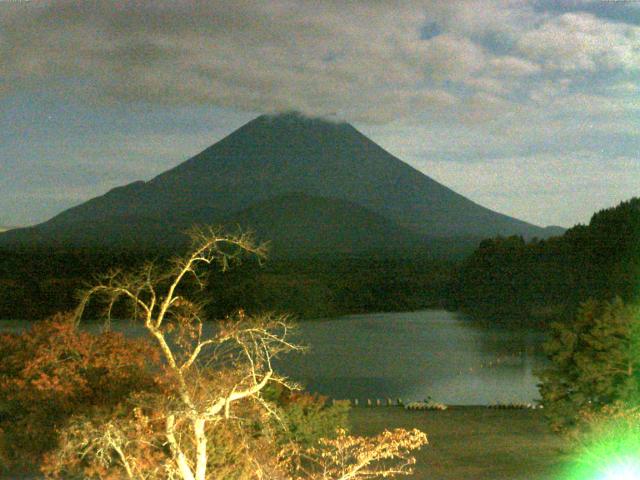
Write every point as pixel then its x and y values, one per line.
pixel 386 455
pixel 54 371
pixel 192 402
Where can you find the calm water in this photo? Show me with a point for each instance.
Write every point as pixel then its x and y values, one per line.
pixel 413 356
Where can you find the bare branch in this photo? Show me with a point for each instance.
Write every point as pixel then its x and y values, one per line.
pixel 208 377
pixel 195 353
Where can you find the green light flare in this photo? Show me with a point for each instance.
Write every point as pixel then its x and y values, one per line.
pixel 628 469
pixel 611 451
pixel 615 468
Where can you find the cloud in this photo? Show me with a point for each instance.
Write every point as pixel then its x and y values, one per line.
pixel 511 66
pixel 254 56
pixel 624 88
pixel 487 84
pixel 582 41
pixel 477 19
pixel 451 57
pixel 361 61
pixel 532 187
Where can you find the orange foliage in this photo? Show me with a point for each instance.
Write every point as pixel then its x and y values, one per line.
pixel 53 371
pixel 349 457
pixel 189 405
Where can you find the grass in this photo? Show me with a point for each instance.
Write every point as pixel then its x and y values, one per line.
pixel 470 443
pixel 473 443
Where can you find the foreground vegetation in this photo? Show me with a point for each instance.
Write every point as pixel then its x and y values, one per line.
pixel 178 404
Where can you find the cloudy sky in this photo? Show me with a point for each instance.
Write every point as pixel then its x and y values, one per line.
pixel 528 108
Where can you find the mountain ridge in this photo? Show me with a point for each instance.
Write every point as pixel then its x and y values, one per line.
pixel 275 156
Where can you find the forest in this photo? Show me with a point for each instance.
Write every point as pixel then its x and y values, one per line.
pixel 36 282
pixel 504 277
pixel 544 279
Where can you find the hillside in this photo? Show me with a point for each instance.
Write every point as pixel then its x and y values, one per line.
pixel 600 260
pixel 266 159
pixel 295 222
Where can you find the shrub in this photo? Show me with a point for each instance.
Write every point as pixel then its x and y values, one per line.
pixel 53 371
pixel 309 417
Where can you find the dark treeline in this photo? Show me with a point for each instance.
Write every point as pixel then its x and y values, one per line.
pixel 321 287
pixel 37 282
pixel 504 278
pixel 509 278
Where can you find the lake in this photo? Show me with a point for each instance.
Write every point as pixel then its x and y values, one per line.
pixel 412 356
pixel 416 355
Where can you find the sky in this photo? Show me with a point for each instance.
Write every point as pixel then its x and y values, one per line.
pixel 528 108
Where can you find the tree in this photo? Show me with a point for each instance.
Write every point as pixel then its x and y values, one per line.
pixel 209 417
pixel 52 372
pixel 346 457
pixel 595 361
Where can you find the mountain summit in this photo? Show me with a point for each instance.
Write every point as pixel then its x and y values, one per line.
pixel 280 167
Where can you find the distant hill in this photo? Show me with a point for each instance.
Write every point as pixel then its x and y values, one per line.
pixel 306 184
pixel 300 223
pixel 553 231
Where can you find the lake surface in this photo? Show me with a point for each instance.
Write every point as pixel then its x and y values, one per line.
pixel 412 356
pixel 416 355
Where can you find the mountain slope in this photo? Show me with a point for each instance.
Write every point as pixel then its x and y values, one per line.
pixel 269 157
pixel 298 223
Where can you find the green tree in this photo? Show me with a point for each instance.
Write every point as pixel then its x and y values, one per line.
pixel 595 361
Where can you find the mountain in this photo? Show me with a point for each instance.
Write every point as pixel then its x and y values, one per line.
pixel 553 231
pixel 272 174
pixel 302 224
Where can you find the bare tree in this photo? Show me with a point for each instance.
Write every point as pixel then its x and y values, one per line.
pixel 244 345
pixel 204 378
